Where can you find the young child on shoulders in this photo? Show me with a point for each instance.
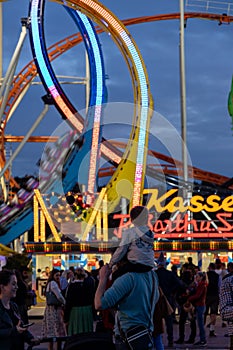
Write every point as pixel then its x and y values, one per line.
pixel 136 249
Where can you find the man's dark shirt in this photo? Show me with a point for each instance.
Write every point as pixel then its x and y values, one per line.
pixel 213 283
pixel 168 282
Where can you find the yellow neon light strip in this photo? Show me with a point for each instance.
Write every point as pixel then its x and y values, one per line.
pixel 36 219
pixel 47 216
pixel 42 227
pixel 98 226
pixel 105 218
pixel 94 213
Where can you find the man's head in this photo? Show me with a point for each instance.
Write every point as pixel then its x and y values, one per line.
pixel 161 261
pixel 24 272
pixel 174 268
pixel 80 273
pixel 230 267
pixel 218 264
pixel 212 267
pixel 139 215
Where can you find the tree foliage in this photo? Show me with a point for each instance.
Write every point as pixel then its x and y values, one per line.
pixel 17 261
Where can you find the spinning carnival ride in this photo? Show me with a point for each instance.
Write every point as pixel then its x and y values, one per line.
pixel 128 169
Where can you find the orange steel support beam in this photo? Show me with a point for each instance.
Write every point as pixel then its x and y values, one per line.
pixel 10 138
pixel 174 167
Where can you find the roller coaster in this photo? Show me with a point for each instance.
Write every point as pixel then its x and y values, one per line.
pixel 59 165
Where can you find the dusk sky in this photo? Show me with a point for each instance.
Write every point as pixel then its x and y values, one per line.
pixel 209 70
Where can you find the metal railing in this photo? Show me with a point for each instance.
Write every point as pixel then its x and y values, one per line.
pixel 210 6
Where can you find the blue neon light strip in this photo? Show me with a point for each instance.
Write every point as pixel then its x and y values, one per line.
pixel 38 51
pixel 98 59
pixel 96 77
pixel 96 97
pixel 41 59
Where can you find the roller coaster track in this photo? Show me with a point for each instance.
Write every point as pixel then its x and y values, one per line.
pixel 173 167
pixel 128 180
pixel 26 76
pixel 93 129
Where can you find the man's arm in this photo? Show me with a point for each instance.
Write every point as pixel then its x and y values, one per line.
pixel 104 274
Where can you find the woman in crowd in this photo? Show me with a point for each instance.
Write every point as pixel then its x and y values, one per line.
pixel 79 303
pixel 198 301
pixel 12 334
pixel 53 324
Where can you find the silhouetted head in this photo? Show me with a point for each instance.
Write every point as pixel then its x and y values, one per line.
pixel 161 261
pixel 139 215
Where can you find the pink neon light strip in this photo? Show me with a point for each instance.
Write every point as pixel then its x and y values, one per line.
pixel 94 153
pixel 78 125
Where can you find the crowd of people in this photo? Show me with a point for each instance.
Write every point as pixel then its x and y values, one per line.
pixel 131 292
pixel 200 298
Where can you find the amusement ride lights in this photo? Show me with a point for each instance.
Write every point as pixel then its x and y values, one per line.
pixel 97 90
pixel 133 170
pixel 96 99
pixel 36 31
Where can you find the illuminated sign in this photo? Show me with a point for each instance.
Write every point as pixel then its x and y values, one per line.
pixel 179 227
pixel 212 203
pixel 181 224
pixel 178 220
pixel 55 248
